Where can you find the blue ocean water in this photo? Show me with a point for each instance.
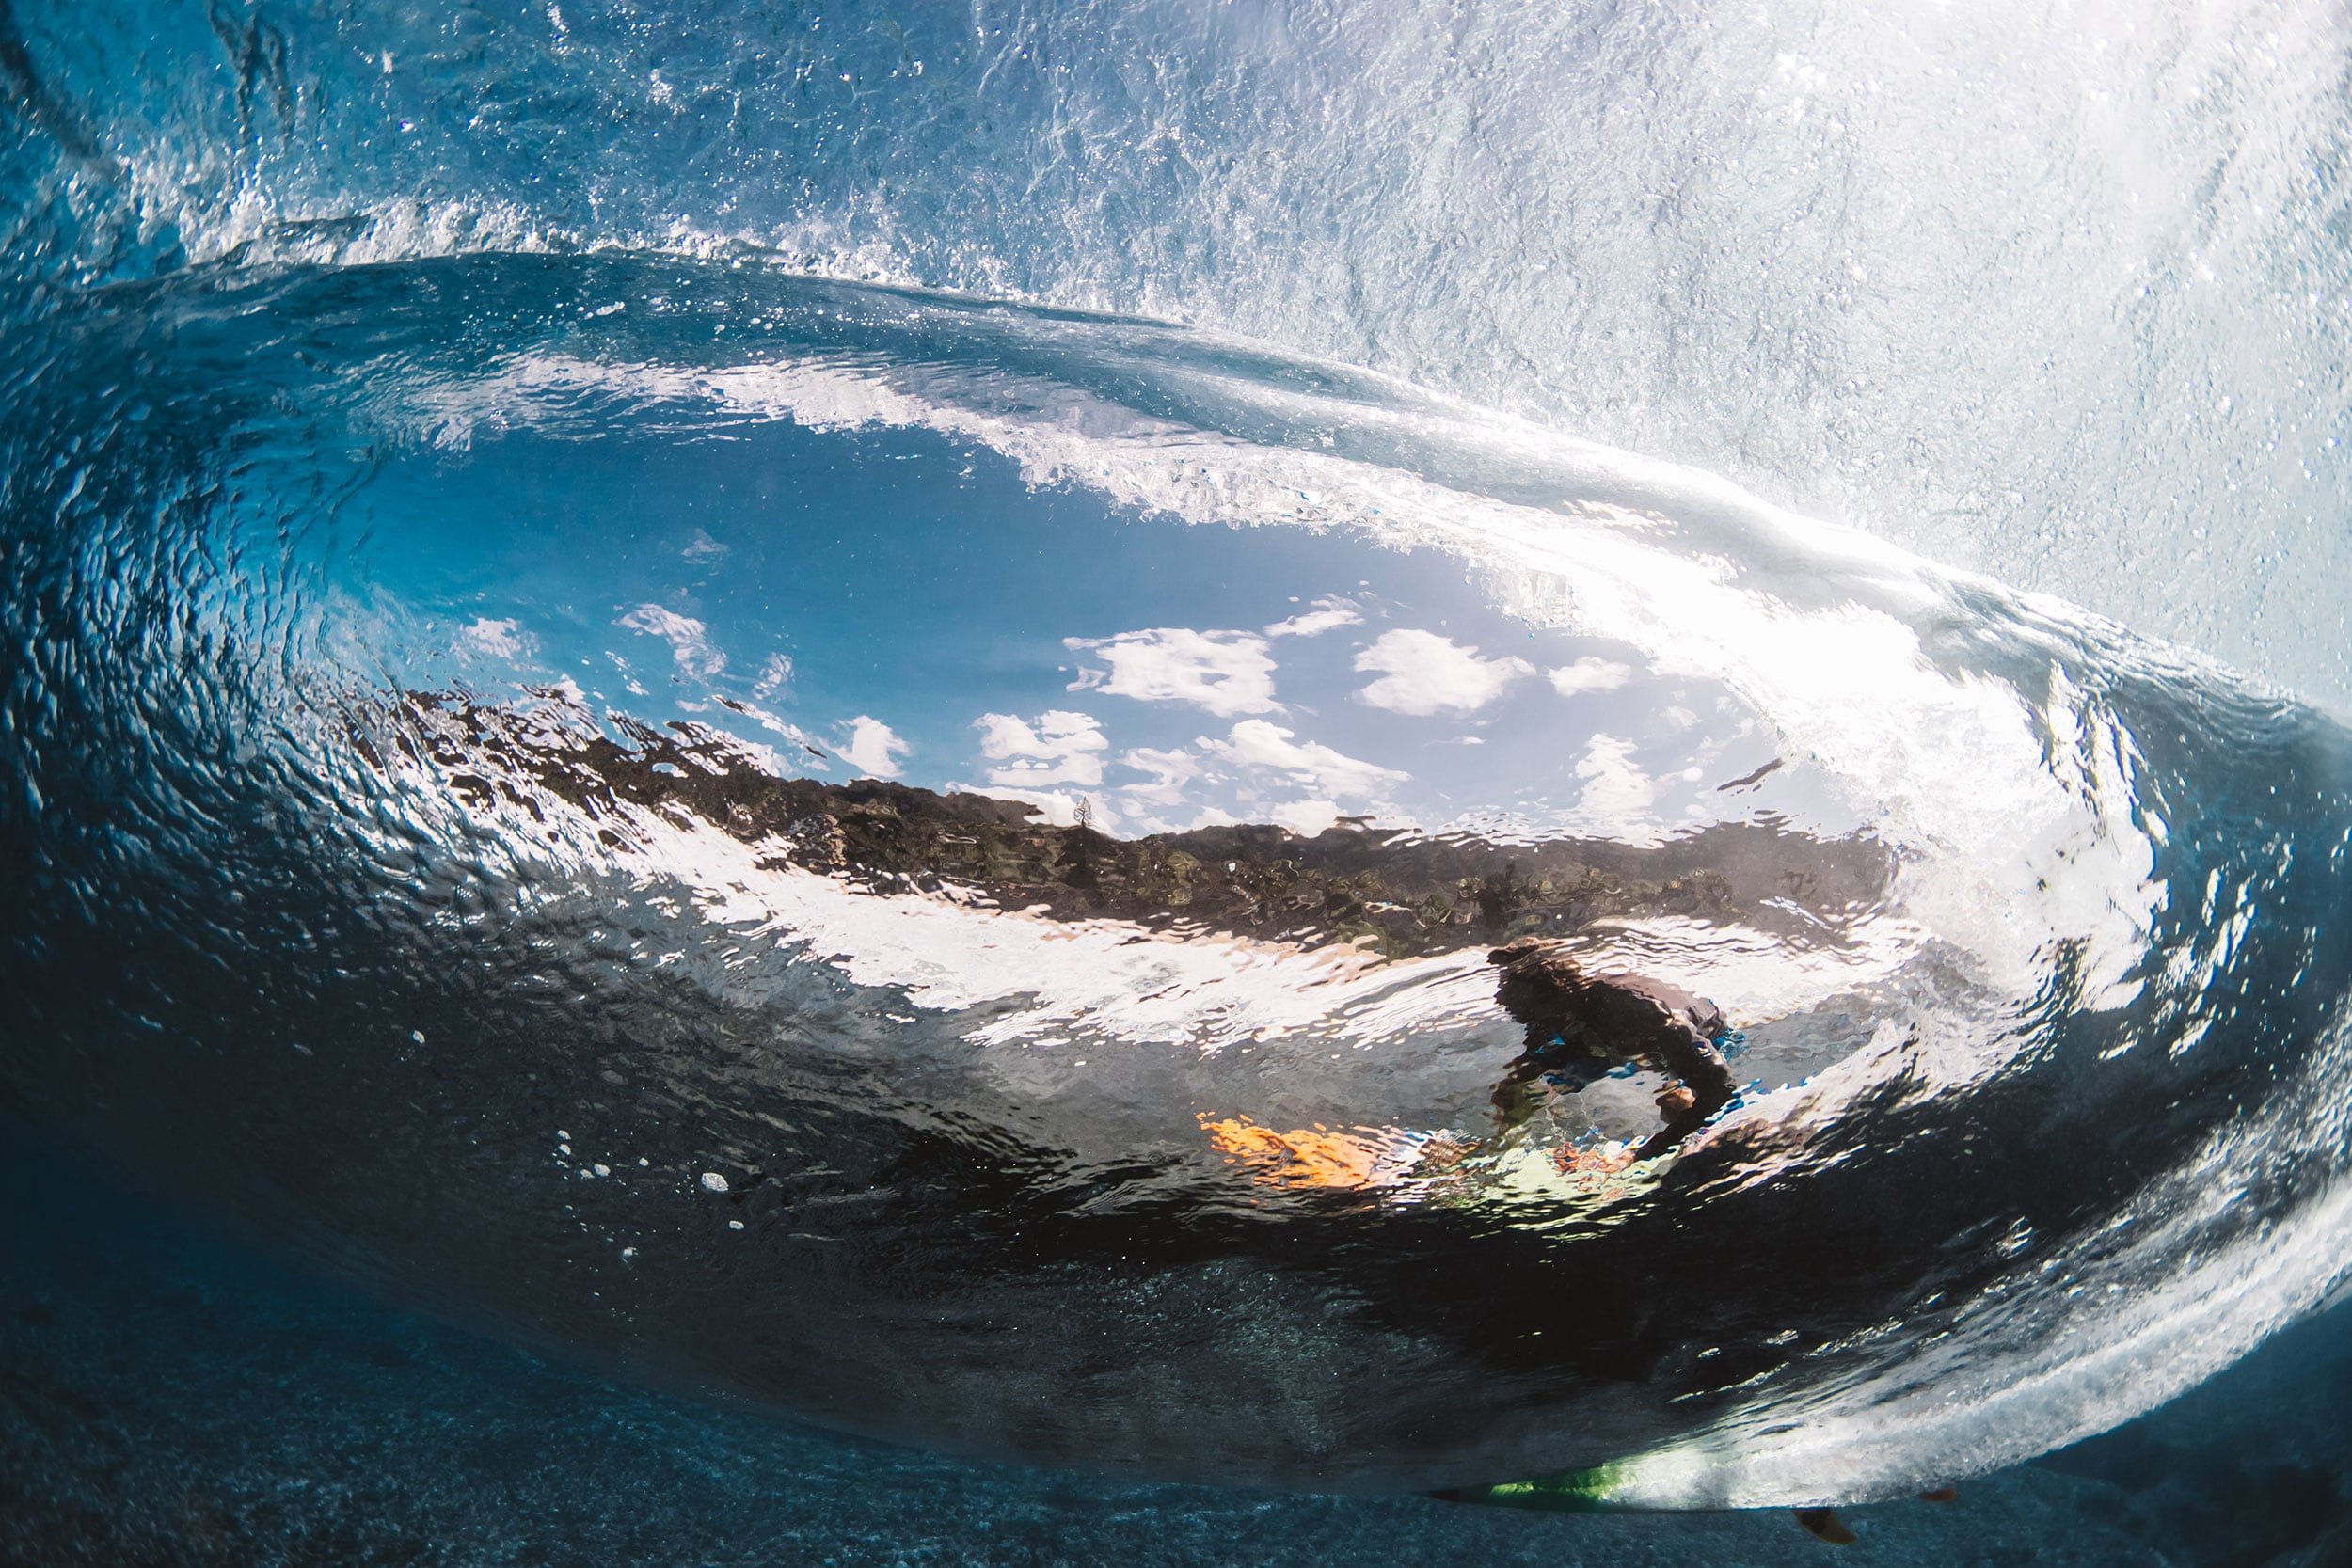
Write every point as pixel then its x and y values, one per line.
pixel 835 714
pixel 174 1400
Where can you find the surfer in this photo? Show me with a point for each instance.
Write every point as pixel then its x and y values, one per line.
pixel 1580 1026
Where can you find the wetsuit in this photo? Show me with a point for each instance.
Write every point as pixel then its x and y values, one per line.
pixel 1580 1026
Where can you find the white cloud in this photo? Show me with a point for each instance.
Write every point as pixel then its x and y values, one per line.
pixel 1306 818
pixel 1255 743
pixel 1171 771
pixel 810 755
pixel 871 749
pixel 1327 615
pixel 1421 673
pixel 1227 673
pixel 495 639
pixel 775 676
pixel 768 759
pixel 702 547
pixel 1617 795
pixel 1063 748
pixel 1059 807
pixel 1590 674
pixel 689 643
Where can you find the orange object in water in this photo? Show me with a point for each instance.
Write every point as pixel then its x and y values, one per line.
pixel 1310 1157
pixel 1606 1160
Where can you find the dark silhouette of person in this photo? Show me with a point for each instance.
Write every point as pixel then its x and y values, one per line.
pixel 1580 1026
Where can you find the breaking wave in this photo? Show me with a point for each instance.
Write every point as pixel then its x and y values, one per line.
pixel 929 860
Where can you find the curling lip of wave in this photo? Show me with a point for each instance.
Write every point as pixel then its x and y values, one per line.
pixel 1704 236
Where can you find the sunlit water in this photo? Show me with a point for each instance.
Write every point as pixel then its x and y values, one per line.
pixel 447 688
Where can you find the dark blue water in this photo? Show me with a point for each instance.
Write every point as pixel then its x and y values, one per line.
pixel 170 1398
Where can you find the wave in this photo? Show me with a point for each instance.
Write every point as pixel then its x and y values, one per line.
pixel 2056 297
pixel 931 862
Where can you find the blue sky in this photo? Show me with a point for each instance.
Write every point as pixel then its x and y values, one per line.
pixel 907 604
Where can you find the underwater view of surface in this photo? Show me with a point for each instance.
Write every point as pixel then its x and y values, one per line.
pixel 1175 782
